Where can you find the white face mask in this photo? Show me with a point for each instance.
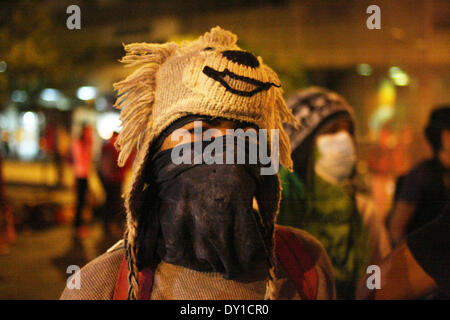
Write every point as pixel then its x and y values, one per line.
pixel 337 157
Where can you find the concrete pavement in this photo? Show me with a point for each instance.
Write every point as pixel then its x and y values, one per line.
pixel 36 266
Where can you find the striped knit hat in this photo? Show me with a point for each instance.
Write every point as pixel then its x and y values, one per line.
pixel 210 76
pixel 312 107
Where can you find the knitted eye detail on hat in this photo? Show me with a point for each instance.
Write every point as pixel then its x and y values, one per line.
pixel 242 58
pixel 221 77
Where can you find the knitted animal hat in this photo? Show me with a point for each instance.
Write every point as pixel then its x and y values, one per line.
pixel 312 107
pixel 210 76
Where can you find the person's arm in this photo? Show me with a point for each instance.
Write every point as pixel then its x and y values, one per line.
pixel 379 241
pixel 398 226
pixel 411 190
pixel 325 272
pixel 418 266
pixel 401 278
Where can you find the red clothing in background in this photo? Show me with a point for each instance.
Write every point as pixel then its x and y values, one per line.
pixel 82 158
pixel 108 162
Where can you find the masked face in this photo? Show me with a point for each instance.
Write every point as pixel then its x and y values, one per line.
pixel 206 214
pixel 336 157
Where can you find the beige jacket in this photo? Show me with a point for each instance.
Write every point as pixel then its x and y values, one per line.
pixel 173 282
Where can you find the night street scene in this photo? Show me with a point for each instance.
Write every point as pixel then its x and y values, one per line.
pixel 225 150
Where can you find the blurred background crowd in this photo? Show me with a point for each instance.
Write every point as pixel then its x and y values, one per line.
pixel 57 120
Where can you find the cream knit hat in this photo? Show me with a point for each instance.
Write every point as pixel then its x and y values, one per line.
pixel 210 76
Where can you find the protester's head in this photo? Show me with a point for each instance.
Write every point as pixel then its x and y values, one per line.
pixel 204 212
pixel 325 141
pixel 438 129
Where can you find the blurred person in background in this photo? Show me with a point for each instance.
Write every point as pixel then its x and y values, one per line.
pixel 320 196
pixel 402 154
pixel 7 227
pixel 57 156
pixel 49 144
pixel 380 158
pixel 82 161
pixel 425 190
pixel 3 244
pixel 112 177
pixel 4 134
pixel 63 150
pixel 419 267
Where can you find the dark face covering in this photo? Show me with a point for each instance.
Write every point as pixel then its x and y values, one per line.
pixel 206 214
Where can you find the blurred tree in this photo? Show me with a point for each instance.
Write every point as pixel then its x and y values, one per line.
pixel 40 51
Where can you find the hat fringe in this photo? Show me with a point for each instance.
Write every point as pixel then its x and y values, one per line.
pixel 137 92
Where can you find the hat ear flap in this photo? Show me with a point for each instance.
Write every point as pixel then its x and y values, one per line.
pixel 149 229
pixel 268 197
pixel 136 94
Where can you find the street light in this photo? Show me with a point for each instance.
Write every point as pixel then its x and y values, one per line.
pixel 86 93
pixel 399 76
pixel 50 95
pixel 3 66
pixel 364 69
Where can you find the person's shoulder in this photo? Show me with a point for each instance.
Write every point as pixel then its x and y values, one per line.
pixel 98 277
pixel 423 167
pixel 308 241
pixel 421 175
pixel 319 257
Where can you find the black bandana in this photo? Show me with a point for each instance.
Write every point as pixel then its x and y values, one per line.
pixel 206 214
